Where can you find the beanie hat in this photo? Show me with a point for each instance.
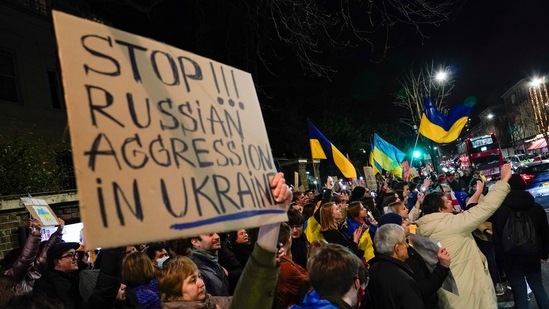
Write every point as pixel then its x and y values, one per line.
pixel 357 194
pixel 517 183
pixel 389 218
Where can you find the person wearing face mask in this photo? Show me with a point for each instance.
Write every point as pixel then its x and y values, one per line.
pixel 158 255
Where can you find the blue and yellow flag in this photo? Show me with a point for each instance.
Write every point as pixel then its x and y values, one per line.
pixel 384 156
pixel 441 128
pixel 321 148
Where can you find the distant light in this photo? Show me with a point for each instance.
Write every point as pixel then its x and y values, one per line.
pixel 435 147
pixel 490 116
pixel 536 82
pixel 441 76
pixel 417 154
pixel 307 172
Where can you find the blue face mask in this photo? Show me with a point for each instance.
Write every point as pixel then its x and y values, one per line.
pixel 160 261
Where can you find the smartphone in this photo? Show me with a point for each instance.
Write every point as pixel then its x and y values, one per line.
pixel 370 214
pixel 439 244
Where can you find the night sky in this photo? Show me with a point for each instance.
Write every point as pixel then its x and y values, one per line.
pixel 489 44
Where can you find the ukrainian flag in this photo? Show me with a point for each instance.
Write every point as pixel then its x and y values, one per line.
pixel 441 128
pixel 321 148
pixel 384 156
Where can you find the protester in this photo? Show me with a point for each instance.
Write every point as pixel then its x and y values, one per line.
pixel 392 285
pixel 261 267
pixel 330 215
pixel 429 277
pixel 338 277
pixel 468 266
pixel 299 244
pixel 523 263
pixel 138 274
pixel 292 279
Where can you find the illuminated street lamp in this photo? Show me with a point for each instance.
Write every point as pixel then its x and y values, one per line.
pixel 441 76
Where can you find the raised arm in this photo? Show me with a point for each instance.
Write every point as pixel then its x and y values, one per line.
pixel 257 284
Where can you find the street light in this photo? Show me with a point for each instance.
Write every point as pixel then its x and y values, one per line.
pixel 441 76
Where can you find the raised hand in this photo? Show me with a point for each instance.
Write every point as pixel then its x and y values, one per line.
pixel 444 257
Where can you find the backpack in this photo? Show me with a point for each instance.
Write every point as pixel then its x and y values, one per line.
pixel 519 235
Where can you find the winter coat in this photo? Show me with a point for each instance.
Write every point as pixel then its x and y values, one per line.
pixel 261 268
pixel 211 302
pixel 291 279
pixel 469 266
pixel 60 286
pixel 340 238
pixel 30 263
pixel 211 272
pixel 518 200
pixel 392 285
pixel 65 287
pixel 313 301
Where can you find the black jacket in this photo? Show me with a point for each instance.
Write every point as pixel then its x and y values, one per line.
pixel 428 282
pixel 392 285
pixel 340 238
pixel 518 200
pixel 60 286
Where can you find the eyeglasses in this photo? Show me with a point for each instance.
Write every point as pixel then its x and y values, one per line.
pixel 71 255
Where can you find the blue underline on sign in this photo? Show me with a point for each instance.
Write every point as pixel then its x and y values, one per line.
pixel 230 217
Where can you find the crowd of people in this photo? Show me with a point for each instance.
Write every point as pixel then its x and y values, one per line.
pixel 416 244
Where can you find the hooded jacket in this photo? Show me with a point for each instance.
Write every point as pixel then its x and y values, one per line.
pixel 469 266
pixel 519 200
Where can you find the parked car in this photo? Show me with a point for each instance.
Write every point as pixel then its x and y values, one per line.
pixel 536 175
pixel 517 160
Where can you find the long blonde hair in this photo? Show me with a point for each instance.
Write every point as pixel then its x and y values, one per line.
pixel 327 220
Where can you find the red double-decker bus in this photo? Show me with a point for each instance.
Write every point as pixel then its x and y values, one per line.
pixel 483 154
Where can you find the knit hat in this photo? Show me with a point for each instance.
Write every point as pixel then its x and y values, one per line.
pixel 389 218
pixel 357 194
pixel 517 183
pixel 55 251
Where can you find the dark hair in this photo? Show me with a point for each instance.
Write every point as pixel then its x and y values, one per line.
pixel 308 210
pixel 153 247
pixel 400 194
pixel 388 198
pixel 336 199
pixel 353 210
pixel 412 186
pixel 284 233
pixel 432 203
pixel 181 246
pixel 400 185
pixel 295 218
pixel 333 269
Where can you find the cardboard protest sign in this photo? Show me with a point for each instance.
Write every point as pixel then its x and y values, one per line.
pixel 39 209
pixel 166 143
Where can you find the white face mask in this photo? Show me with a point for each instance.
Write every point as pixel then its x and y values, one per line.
pixel 160 261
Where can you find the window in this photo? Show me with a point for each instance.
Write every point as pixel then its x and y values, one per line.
pixel 8 80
